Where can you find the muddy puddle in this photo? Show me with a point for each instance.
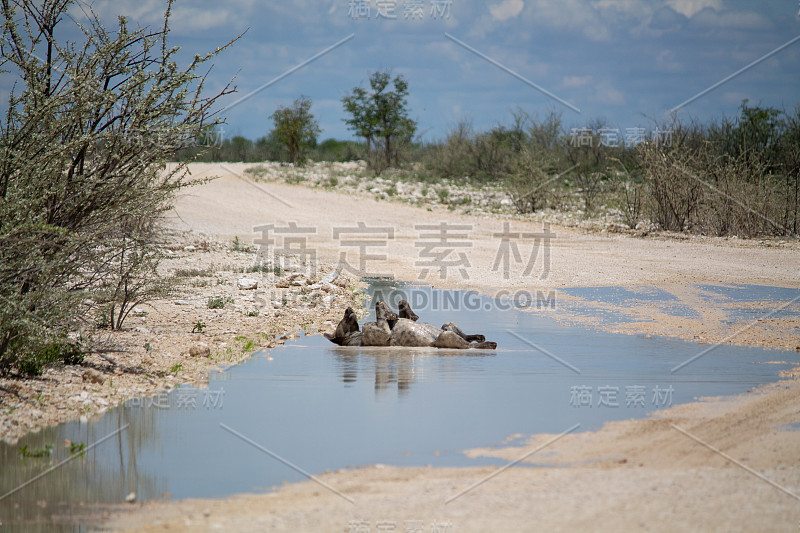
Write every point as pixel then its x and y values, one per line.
pixel 310 406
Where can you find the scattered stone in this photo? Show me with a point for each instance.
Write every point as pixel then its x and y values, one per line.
pixel 328 287
pixel 330 277
pixel 93 376
pixel 200 349
pixel 247 284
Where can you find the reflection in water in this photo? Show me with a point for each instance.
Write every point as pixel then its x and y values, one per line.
pixel 392 367
pixel 106 472
pixel 389 369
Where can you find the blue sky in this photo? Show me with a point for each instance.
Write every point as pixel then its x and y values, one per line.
pixel 624 61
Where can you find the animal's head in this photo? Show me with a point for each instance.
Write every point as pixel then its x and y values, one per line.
pixel 348 324
pixel 405 310
pixel 382 311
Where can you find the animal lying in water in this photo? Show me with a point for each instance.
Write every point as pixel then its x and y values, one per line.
pixel 402 329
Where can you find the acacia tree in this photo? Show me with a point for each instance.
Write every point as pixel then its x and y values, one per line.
pixel 380 115
pixel 296 128
pixel 83 145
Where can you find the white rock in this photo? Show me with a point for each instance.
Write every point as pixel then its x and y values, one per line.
pixel 131 498
pixel 247 284
pixel 189 248
pixel 182 302
pixel 92 376
pixel 328 287
pixel 200 349
pixel 330 277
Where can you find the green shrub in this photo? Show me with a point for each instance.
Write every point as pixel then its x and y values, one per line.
pixel 219 302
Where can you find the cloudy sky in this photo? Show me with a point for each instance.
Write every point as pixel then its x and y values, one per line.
pixel 623 61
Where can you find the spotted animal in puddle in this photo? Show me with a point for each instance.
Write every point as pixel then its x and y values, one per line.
pixel 402 329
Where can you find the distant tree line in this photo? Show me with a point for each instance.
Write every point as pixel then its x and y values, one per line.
pixel 379 115
pixel 737 175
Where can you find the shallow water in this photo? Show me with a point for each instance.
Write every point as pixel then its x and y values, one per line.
pixel 310 406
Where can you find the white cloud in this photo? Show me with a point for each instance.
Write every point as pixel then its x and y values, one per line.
pixel 607 94
pixel 506 9
pixel 667 62
pixel 689 8
pixel 575 81
pixel 187 19
pixel 145 12
pixel 740 20
pixel 639 9
pixel 734 97
pixel 571 15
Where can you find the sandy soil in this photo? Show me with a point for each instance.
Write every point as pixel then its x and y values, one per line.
pixel 716 465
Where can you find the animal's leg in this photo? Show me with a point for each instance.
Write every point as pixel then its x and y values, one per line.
pixel 469 338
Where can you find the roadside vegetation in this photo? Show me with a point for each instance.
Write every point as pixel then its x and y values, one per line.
pixel 735 176
pixel 88 128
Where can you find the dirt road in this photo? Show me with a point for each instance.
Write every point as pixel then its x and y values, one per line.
pixel 717 465
pixel 490 254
